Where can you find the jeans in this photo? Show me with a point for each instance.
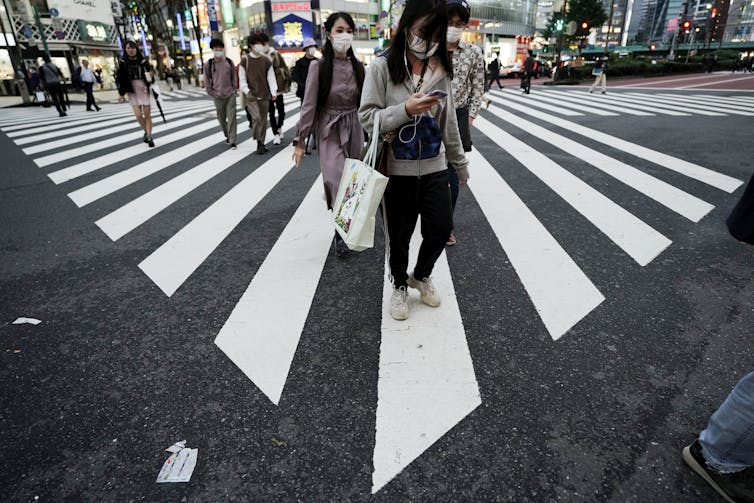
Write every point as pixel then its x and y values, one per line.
pixel 407 197
pixel 728 441
pixel 278 104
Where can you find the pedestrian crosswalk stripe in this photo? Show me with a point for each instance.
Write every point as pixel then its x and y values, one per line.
pixel 589 103
pixel 173 262
pixel 687 105
pixel 686 168
pixel 263 330
pixel 559 290
pixel 746 103
pixel 543 106
pixel 669 196
pixel 707 104
pixel 561 103
pixel 103 161
pixel 426 382
pixel 128 126
pixel 42 126
pixel 628 103
pixel 640 241
pixel 126 218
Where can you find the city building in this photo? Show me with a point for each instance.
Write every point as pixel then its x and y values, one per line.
pixel 740 25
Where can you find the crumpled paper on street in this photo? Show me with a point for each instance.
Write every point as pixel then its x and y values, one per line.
pixel 31 321
pixel 180 465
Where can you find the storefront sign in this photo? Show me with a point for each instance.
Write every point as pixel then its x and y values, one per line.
pixel 291 6
pixel 201 13
pixel 291 30
pixel 181 35
pixel 212 15
pixel 86 10
pixel 226 7
pixel 92 32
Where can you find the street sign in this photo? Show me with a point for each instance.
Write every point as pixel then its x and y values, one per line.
pixel 571 28
pixel 54 12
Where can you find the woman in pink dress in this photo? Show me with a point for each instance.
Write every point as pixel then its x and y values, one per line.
pixel 134 75
pixel 330 108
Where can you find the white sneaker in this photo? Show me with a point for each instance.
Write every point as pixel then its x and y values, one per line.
pixel 281 135
pixel 426 289
pixel 399 304
pixel 276 140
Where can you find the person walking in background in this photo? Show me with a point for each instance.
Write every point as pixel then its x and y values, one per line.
pixel 87 78
pixel 283 81
pixel 50 78
pixel 301 68
pixel 529 69
pixel 468 85
pixel 98 76
pixel 221 84
pixel 405 87
pixel 257 81
pixel 723 454
pixel 330 108
pixel 494 69
pixel 178 75
pixel 600 72
pixel 244 55
pixel 133 77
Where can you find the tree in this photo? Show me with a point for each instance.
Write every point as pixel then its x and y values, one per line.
pixel 587 14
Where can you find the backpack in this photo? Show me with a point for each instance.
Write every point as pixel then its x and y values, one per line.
pixel 232 70
pixel 49 74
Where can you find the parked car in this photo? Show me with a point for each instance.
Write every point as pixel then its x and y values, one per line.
pixel 511 72
pixel 543 68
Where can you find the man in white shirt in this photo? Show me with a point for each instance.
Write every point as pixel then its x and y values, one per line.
pixel 88 79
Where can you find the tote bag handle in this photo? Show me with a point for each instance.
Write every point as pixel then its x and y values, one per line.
pixel 370 158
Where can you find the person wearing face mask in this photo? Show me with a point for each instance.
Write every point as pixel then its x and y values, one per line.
pixel 134 76
pixel 420 131
pixel 330 109
pixel 468 84
pixel 301 68
pixel 283 80
pixel 221 84
pixel 257 82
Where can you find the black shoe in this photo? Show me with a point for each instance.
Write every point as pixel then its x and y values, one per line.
pixel 260 150
pixel 233 146
pixel 90 110
pixel 227 142
pixel 604 92
pixel 145 138
pixel 733 487
pixel 150 141
pixel 98 108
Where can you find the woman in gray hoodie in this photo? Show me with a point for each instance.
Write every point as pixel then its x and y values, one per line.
pixel 409 86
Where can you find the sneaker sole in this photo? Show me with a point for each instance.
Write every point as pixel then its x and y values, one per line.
pixel 694 465
pixel 400 317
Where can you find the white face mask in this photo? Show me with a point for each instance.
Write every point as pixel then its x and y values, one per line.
pixel 418 48
pixel 454 34
pixel 341 42
pixel 258 48
pixel 312 51
pixel 218 54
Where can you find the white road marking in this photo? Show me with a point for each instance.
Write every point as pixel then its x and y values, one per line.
pixel 263 331
pixel 690 105
pixel 669 196
pixel 95 163
pixel 590 103
pixel 520 99
pixel 543 96
pixel 691 170
pixel 173 262
pixel 640 241
pixel 560 291
pixel 426 379
pixel 737 79
pixel 128 217
pixel 616 100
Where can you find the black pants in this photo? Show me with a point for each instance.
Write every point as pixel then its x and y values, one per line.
pixel 495 78
pixel 56 95
pixel 462 115
pixel 407 197
pixel 88 86
pixel 277 103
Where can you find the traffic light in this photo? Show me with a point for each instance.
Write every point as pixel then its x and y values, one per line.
pixel 559 25
pixel 652 47
pixel 686 25
pixel 134 7
pixel 584 25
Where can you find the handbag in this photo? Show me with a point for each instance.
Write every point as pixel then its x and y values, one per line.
pixel 597 71
pixel 741 220
pixel 40 96
pixel 359 195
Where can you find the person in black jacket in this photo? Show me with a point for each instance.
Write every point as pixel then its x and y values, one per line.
pixel 133 77
pixel 494 69
pixel 301 68
pixel 51 78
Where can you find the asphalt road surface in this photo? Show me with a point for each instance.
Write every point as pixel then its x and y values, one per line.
pixel 595 310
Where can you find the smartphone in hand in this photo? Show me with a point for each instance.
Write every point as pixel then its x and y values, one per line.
pixel 436 94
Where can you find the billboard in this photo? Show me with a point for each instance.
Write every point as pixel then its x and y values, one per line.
pixel 291 30
pixel 86 10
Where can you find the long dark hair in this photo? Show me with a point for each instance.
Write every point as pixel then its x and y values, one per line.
pixel 328 59
pixel 436 26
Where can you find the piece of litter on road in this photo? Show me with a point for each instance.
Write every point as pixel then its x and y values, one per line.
pixel 31 321
pixel 180 465
pixel 176 447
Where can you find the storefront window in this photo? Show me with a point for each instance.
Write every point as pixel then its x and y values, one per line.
pixel 6 66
